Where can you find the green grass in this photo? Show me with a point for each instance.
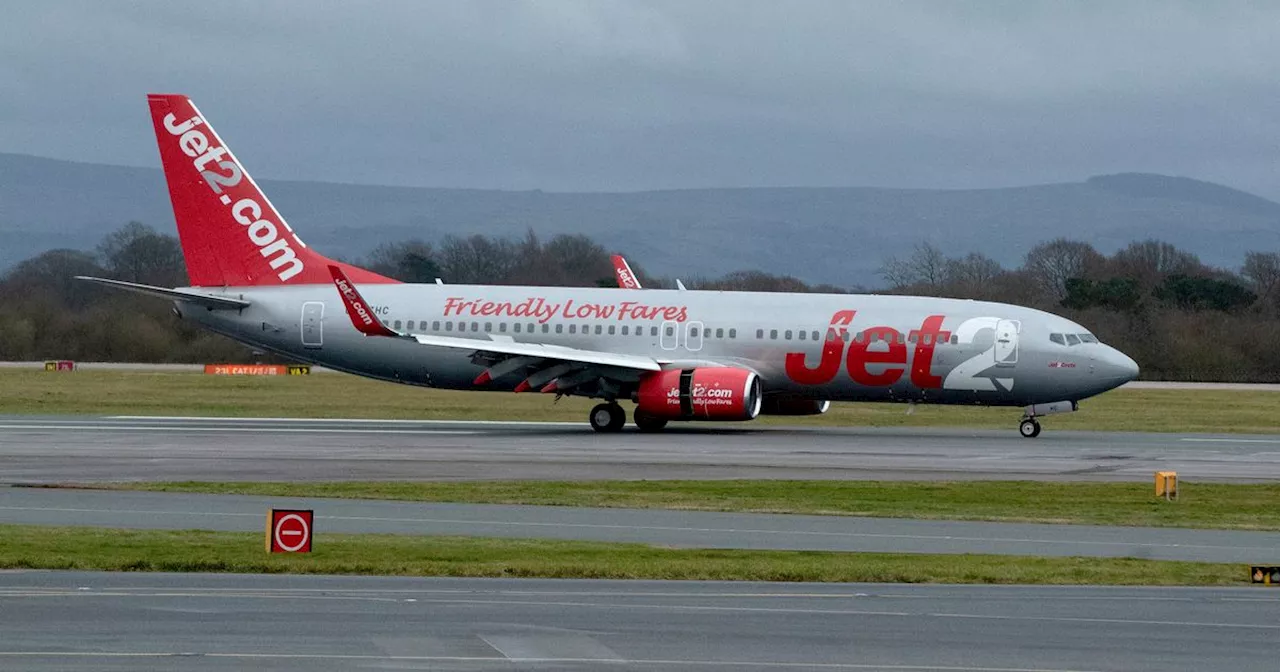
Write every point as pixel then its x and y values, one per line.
pixel 344 396
pixel 1202 505
pixel 23 547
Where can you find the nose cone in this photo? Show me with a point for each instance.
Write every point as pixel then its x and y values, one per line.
pixel 1117 367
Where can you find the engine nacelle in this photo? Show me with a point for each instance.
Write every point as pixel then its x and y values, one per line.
pixel 785 405
pixel 715 393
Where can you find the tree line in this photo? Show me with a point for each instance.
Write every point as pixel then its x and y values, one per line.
pixel 1178 317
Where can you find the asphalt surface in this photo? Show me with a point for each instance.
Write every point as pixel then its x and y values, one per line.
pixel 94 621
pixel 686 529
pixel 34 449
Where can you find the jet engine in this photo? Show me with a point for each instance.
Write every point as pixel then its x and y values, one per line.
pixel 713 393
pixel 786 405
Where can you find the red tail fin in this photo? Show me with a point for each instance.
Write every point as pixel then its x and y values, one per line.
pixel 626 278
pixel 230 232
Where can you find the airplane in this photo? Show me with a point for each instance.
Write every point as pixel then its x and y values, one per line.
pixel 677 355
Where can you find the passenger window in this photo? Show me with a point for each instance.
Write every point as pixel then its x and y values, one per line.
pixel 733 333
pixel 462 326
pixel 911 338
pixel 759 333
pixel 719 333
pixel 653 331
pixel 475 326
pixel 530 329
pixel 955 340
pixel 670 330
pixel 502 327
pixel 488 327
pixel 804 337
pixel 559 328
pixel 397 324
pixel 1072 339
pixel 902 337
pixel 788 334
pixel 435 326
pixel 624 330
pixel 599 329
pixel 573 328
pixel 693 332
pixel 611 328
pixel 815 334
pixel 927 339
pixel 448 326
pixel 1057 338
pixel 773 334
pixel 516 327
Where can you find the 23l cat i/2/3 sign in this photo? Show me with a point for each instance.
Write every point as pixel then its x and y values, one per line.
pixel 289 530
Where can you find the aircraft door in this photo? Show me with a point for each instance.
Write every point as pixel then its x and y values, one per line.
pixel 693 336
pixel 313 324
pixel 670 335
pixel 1006 349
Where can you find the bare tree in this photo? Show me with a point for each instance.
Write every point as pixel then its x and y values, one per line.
pixel 1262 270
pixel 138 253
pixel 926 268
pixel 408 261
pixel 1050 265
pixel 1151 261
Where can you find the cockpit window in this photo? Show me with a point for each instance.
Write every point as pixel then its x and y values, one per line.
pixel 1057 338
pixel 1072 339
pixel 1088 338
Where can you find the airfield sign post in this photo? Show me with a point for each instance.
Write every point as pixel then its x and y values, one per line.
pixel 289 530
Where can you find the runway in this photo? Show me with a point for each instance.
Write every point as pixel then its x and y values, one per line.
pixel 681 529
pixel 58 449
pixel 81 621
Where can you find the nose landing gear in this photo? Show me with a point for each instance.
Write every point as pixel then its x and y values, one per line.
pixel 1030 428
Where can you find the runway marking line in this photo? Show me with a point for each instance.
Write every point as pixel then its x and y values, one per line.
pixel 661 528
pixel 703 608
pixel 214 419
pixel 256 430
pixel 528 661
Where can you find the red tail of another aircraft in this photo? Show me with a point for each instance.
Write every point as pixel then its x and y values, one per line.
pixel 231 233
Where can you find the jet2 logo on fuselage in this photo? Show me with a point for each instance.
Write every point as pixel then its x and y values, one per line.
pixel 858 357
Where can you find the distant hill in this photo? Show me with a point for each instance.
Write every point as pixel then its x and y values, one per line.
pixel 835 235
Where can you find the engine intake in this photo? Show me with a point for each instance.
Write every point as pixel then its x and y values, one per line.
pixel 714 393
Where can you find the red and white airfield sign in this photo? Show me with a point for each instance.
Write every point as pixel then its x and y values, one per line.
pixel 289 530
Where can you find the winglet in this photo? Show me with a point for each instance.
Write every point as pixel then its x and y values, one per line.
pixel 626 278
pixel 360 312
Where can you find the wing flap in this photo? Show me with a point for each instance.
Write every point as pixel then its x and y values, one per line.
pixel 542 350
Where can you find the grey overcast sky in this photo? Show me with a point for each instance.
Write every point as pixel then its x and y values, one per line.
pixel 620 95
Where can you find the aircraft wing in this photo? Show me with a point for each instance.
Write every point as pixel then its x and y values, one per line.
pixel 364 319
pixel 201 298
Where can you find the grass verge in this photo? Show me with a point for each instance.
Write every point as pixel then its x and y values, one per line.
pixel 23 547
pixel 1202 505
pixel 344 396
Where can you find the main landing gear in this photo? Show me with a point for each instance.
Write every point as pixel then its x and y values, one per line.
pixel 1030 428
pixel 607 417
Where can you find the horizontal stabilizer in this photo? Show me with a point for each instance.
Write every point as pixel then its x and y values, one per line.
pixel 189 295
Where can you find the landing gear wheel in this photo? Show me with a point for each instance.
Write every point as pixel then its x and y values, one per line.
pixel 648 423
pixel 607 417
pixel 1029 429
